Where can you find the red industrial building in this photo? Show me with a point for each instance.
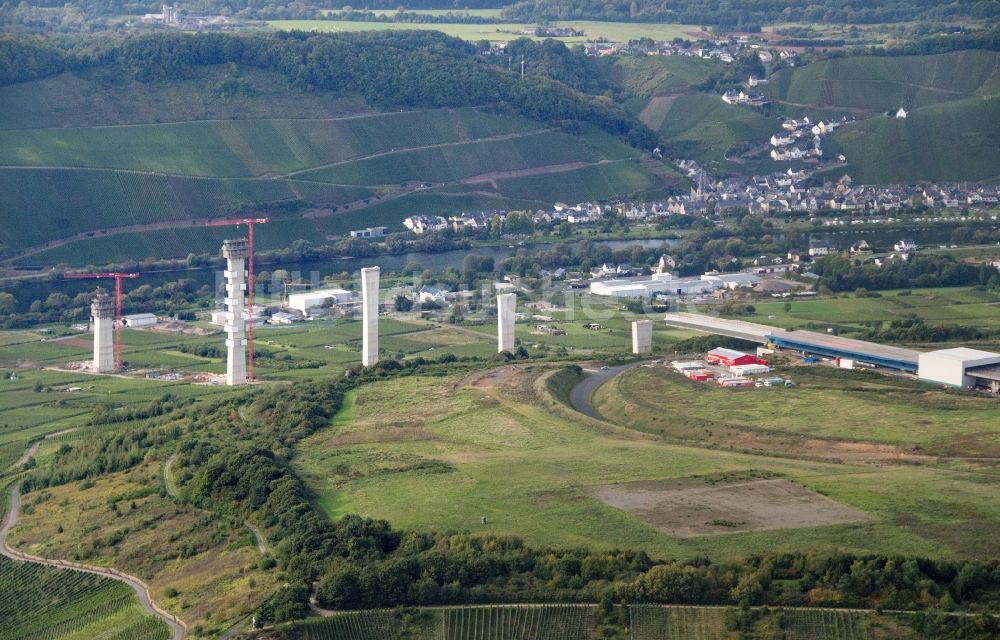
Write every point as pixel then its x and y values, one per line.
pixel 729 357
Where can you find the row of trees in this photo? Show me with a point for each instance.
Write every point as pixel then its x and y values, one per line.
pixel 749 14
pixel 840 273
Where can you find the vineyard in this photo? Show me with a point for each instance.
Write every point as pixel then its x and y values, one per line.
pixel 679 623
pixel 831 625
pixel 556 622
pixel 46 603
pixel 709 623
pixel 502 622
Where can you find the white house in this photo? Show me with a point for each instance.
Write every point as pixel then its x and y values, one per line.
pixel 905 246
pixel 901 114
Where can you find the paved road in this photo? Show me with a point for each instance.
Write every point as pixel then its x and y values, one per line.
pixel 581 394
pixel 140 587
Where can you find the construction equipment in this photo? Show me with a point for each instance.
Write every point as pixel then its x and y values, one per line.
pixel 249 222
pixel 118 304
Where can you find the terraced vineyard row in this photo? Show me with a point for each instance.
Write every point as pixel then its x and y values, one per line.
pixel 678 623
pixel 557 622
pixel 46 603
pixel 652 622
pixel 830 625
pixel 363 625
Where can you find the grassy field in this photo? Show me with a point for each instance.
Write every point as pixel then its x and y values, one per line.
pixel 828 404
pixel 947 306
pixel 46 602
pixel 503 32
pixel 433 453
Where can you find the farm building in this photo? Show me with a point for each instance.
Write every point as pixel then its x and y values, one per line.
pixel 961 367
pixel 729 357
pixel 137 320
pixel 320 297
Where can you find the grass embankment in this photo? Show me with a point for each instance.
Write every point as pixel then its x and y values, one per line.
pixel 857 406
pixel 433 453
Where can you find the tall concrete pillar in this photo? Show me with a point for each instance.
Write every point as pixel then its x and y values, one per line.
pixel 102 310
pixel 236 253
pixel 506 302
pixel 642 336
pixel 369 314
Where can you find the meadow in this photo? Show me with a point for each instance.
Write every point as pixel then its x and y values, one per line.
pixel 946 306
pixel 827 403
pixel 439 453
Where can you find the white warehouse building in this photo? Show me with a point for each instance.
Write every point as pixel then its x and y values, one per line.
pixel 318 298
pixel 961 367
pixel 663 283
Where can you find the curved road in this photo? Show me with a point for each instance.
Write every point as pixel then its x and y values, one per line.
pixel 140 588
pixel 581 394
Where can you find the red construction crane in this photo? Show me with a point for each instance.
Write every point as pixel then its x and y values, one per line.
pixel 118 304
pixel 249 222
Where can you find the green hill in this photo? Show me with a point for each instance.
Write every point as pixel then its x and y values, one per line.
pixel 703 127
pixel 881 83
pixel 133 148
pixel 949 141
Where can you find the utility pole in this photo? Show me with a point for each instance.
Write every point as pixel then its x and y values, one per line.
pixel 522 67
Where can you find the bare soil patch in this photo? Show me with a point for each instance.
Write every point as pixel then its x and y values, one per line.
pixel 689 508
pixel 655 111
